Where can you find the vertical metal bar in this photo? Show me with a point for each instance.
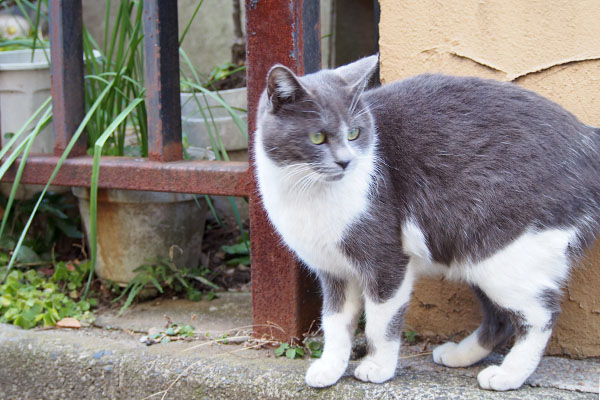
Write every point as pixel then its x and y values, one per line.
pixel 66 68
pixel 162 80
pixel 283 293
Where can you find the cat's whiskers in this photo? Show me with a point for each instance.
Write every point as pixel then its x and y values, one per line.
pixel 305 183
pixel 292 177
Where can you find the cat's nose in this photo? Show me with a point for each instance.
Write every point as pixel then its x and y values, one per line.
pixel 343 164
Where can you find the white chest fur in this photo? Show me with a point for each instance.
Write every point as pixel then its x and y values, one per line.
pixel 312 219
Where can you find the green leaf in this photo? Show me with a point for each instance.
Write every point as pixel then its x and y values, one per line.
pixel 281 349
pixel 211 296
pixel 245 260
pixel 193 294
pixel 186 330
pixel 68 229
pixel 294 352
pixel 411 336
pixel 5 300
pixel 315 348
pixel 27 255
pixel 240 248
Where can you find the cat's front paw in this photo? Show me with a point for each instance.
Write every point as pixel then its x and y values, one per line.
pixel 496 378
pixel 370 371
pixel 322 373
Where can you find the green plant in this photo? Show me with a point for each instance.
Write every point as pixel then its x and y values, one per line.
pixel 50 224
pixel 315 349
pixel 238 253
pixel 172 332
pixel 290 351
pixel 114 101
pixel 293 351
pixel 411 336
pixel 164 274
pixel 28 298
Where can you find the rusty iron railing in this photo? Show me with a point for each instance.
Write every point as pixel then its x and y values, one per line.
pixel 277 31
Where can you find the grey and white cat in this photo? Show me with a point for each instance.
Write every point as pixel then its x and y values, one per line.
pixel 479 181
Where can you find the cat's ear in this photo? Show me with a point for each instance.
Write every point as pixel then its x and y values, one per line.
pixel 283 87
pixel 358 73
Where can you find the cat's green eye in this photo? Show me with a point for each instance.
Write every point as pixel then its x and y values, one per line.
pixel 317 137
pixel 353 134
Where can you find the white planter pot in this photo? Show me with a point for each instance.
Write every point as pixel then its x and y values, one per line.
pixel 24 86
pixel 234 141
pixel 137 227
pixel 194 125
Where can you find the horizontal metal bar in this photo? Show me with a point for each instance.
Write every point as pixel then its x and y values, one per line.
pixel 200 177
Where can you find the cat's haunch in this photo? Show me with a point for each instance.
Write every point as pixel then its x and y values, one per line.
pixel 479 181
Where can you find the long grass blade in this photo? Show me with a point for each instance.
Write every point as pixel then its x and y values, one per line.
pixel 236 118
pixel 7 146
pixel 189 24
pixel 30 139
pixel 62 159
pixel 94 185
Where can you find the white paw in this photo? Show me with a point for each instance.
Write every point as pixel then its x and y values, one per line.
pixel 446 354
pixel 449 355
pixel 496 378
pixel 322 373
pixel 370 371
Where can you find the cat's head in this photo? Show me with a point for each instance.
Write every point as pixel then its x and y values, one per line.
pixel 318 123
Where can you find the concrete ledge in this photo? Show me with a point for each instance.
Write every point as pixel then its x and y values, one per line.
pixel 100 363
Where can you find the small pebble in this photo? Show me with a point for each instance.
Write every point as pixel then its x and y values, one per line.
pixel 98 354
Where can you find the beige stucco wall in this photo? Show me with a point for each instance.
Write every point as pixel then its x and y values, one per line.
pixel 548 46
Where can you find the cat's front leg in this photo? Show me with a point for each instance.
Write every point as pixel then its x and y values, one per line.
pixel 342 303
pixel 383 331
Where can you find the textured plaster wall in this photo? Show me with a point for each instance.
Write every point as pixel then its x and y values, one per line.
pixel 549 46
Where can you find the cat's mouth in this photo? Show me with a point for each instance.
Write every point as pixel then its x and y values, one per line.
pixel 332 177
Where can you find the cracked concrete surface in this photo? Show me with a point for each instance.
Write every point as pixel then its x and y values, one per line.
pixel 108 361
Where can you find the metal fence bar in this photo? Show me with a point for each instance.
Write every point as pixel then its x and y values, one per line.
pixel 201 177
pixel 68 101
pixel 283 293
pixel 161 45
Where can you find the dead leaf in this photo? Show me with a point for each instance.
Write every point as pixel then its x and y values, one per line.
pixel 69 322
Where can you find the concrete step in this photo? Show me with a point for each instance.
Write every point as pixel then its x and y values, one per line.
pixel 107 361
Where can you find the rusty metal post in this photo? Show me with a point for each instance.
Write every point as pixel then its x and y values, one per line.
pixel 162 80
pixel 66 68
pixel 283 292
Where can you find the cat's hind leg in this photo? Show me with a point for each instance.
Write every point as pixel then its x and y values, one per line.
pixel 533 322
pixel 383 332
pixel 496 327
pixel 342 303
pixel 524 281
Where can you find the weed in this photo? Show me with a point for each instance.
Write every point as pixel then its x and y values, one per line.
pixel 53 221
pixel 290 351
pixel 171 333
pixel 238 253
pixel 411 336
pixel 29 299
pixel 294 351
pixel 165 274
